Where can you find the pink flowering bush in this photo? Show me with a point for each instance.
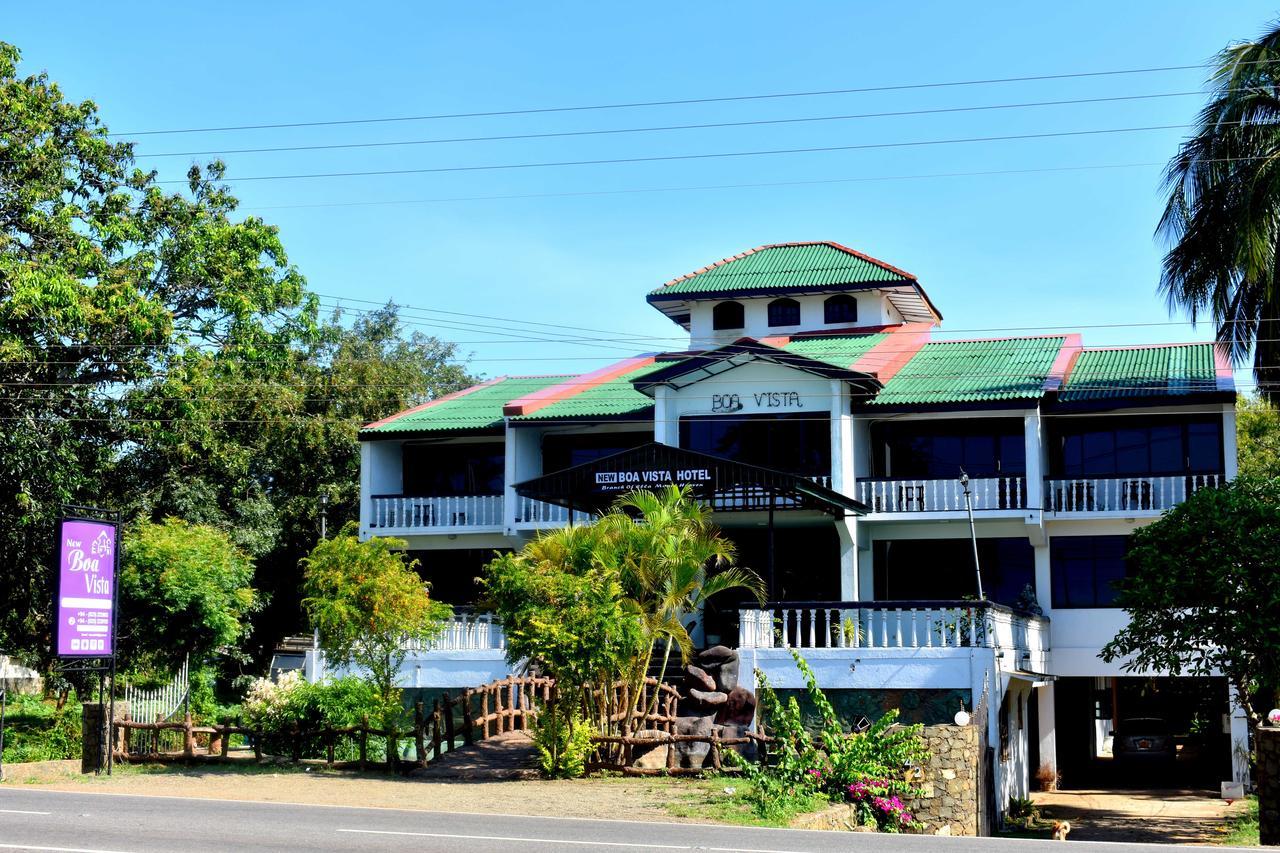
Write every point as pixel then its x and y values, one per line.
pixel 878 804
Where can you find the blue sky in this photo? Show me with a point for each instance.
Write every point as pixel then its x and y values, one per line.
pixel 1073 246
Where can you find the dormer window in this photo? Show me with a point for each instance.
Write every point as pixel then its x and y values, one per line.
pixel 841 308
pixel 727 315
pixel 784 312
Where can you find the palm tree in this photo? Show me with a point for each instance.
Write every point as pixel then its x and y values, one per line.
pixel 665 560
pixel 1222 216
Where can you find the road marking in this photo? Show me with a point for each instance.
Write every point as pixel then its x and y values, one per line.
pixel 20 811
pixel 56 849
pixel 646 846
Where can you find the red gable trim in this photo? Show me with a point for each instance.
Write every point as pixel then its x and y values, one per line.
pixel 901 343
pixel 437 401
pixel 839 246
pixel 1062 366
pixel 531 403
pixel 1222 364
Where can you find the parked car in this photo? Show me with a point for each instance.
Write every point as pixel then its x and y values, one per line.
pixel 1143 739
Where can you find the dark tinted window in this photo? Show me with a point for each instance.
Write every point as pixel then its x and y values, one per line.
pixel 842 308
pixel 938 450
pixel 1086 569
pixel 797 444
pixel 450 470
pixel 943 568
pixel 1136 446
pixel 728 315
pixel 565 451
pixel 784 312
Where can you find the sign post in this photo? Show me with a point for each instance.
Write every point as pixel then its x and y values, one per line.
pixel 88 559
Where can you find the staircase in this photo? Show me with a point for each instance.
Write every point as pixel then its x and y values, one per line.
pixel 674 673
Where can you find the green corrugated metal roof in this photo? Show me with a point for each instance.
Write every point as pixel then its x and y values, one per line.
pixel 840 350
pixel 973 371
pixel 1141 372
pixel 611 398
pixel 478 409
pixel 788 265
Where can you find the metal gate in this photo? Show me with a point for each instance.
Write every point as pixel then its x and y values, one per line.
pixel 166 703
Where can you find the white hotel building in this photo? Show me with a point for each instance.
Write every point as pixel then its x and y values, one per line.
pixel 826 417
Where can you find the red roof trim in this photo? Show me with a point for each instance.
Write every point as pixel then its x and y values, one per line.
pixel 575 385
pixel 437 401
pixel 838 246
pixel 1225 374
pixel 1062 366
pixel 901 343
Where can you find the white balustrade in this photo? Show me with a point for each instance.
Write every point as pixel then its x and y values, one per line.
pixel 464 632
pixel 1124 494
pixel 530 511
pixel 427 513
pixel 908 625
pixel 917 495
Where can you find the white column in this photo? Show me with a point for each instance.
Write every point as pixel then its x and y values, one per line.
pixel 1048 728
pixel 1229 442
pixel 841 439
pixel 866 588
pixel 366 487
pixel 509 496
pixel 1044 578
pixel 847 530
pixel 1239 739
pixel 666 424
pixel 1033 436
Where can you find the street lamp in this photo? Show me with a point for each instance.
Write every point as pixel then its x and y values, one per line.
pixel 973 533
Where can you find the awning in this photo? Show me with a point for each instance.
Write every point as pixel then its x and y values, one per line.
pixel 723 484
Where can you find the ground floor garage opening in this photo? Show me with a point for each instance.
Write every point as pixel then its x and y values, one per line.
pixel 1142 732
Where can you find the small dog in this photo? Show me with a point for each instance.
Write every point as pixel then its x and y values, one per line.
pixel 1060 829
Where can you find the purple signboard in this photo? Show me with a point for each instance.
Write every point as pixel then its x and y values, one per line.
pixel 86 587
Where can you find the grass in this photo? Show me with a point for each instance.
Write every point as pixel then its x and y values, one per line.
pixel 35 731
pixel 1241 828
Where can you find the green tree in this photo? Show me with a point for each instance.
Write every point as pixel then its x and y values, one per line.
pixel 1257 438
pixel 671 558
pixel 1223 202
pixel 1202 591
pixel 367 602
pixel 184 589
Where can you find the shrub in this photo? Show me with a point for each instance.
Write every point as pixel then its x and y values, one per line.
pixel 36 730
pixel 276 709
pixel 866 768
pixel 563 745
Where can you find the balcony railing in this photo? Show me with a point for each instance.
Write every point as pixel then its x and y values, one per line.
pixel 530 511
pixel 426 513
pixel 916 495
pixel 891 625
pixel 1125 494
pixel 465 632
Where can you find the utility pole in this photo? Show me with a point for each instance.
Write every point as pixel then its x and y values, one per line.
pixel 324 514
pixel 973 532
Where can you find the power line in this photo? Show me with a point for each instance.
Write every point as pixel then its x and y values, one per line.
pixel 664 128
pixel 678 102
pixel 705 156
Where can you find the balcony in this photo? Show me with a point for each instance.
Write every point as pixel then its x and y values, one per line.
pixel 464 632
pixel 911 496
pixel 531 513
pixel 463 513
pixel 1123 496
pixel 897 626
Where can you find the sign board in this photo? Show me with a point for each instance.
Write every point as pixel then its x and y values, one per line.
pixel 86 588
pixel 629 479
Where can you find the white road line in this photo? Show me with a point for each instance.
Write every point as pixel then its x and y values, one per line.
pixel 20 811
pixel 56 849
pixel 646 846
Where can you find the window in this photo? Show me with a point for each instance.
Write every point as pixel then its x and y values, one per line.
pixel 943 568
pixel 451 470
pixel 1085 569
pixel 784 312
pixel 561 451
pixel 727 315
pixel 938 450
pixel 840 309
pixel 1137 446
pixel 797 444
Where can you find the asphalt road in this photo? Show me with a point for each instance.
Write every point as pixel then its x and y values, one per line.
pixel 74 822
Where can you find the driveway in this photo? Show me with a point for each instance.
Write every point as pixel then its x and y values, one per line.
pixel 1161 816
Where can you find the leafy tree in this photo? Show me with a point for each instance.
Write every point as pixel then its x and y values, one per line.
pixel 184 589
pixel 1202 591
pixel 366 602
pixel 1257 438
pixel 1224 199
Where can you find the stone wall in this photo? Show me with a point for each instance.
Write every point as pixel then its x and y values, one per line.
pixel 94 727
pixel 951 780
pixel 1267 743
